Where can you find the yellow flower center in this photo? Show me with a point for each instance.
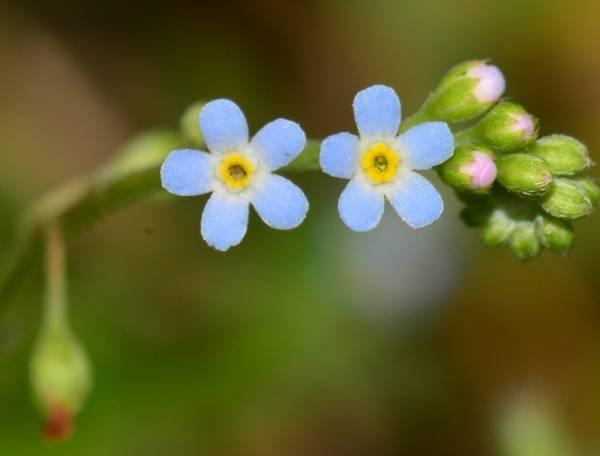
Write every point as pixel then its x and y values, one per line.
pixel 236 171
pixel 380 163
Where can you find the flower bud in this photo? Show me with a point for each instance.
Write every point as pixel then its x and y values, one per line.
pixel 565 155
pixel 471 168
pixel 498 229
pixel 507 127
pixel 567 199
pixel 555 234
pixel 524 173
pixel 591 189
pixel 60 375
pixel 467 91
pixel 144 151
pixel 524 242
pixel 190 125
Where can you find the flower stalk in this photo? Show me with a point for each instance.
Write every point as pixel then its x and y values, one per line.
pixel 60 371
pixel 56 296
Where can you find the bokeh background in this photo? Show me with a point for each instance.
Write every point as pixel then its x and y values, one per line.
pixel 316 341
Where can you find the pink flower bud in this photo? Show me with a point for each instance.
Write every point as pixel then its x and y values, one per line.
pixel 525 125
pixel 491 83
pixel 481 170
pixel 470 169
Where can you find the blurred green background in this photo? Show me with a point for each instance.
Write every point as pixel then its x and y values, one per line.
pixel 316 341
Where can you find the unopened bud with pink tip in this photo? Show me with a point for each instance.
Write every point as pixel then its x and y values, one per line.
pixel 467 91
pixel 507 127
pixel 470 169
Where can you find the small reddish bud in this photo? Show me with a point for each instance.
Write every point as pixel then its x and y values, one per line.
pixel 59 423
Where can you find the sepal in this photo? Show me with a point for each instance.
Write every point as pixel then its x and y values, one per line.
pixel 555 234
pixel 507 127
pixel 565 155
pixel 524 173
pixel 567 199
pixel 498 229
pixel 590 186
pixel 523 242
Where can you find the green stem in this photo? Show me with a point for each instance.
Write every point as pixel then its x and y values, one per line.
pixel 134 175
pixel 56 297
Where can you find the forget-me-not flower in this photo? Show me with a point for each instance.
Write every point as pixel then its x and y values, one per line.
pixel 381 165
pixel 238 172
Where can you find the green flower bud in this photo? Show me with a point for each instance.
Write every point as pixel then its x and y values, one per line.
pixel 524 173
pixel 467 91
pixel 591 189
pixel 498 229
pixel 471 168
pixel 555 234
pixel 565 155
pixel 567 199
pixel 144 151
pixel 59 369
pixel 507 127
pixel 61 379
pixel 524 242
pixel 190 125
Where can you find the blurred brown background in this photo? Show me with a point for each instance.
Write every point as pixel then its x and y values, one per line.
pixel 316 341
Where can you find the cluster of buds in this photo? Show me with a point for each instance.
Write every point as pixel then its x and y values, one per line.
pixel 517 222
pixel 522 191
pixel 539 191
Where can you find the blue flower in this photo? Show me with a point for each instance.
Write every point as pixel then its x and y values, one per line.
pixel 381 165
pixel 238 172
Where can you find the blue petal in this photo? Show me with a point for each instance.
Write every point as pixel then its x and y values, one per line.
pixel 377 111
pixel 428 144
pixel 224 126
pixel 224 221
pixel 280 203
pixel 417 201
pixel 338 155
pixel 360 206
pixel 279 142
pixel 187 172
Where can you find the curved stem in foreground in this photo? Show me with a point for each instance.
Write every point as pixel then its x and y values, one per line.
pixel 131 176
